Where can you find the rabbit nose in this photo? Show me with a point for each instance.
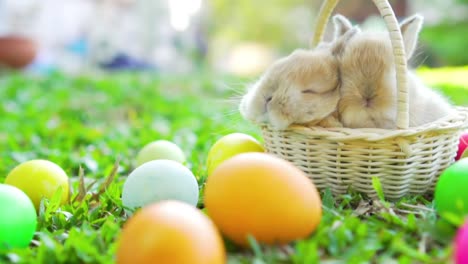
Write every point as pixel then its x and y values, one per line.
pixel 267 101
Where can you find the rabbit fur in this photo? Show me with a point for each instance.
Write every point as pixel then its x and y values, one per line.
pixel 302 88
pixel 368 93
pixel 348 82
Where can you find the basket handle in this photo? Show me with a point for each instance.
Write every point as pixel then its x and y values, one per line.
pixel 386 12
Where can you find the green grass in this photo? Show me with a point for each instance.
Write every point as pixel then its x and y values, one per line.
pixel 94 122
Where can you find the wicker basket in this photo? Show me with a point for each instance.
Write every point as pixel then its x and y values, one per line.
pixel 406 160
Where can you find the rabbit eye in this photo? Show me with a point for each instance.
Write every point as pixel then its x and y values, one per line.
pixel 268 99
pixel 309 91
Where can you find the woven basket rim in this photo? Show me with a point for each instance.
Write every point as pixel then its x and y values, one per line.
pixel 454 121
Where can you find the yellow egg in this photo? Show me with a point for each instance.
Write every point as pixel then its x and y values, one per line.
pixel 262 195
pixel 229 146
pixel 170 232
pixel 39 179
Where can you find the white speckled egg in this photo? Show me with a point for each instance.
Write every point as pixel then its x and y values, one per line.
pixel 159 180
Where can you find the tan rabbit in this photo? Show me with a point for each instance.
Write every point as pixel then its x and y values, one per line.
pixel 301 88
pixel 368 81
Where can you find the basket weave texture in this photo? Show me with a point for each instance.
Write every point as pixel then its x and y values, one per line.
pixel 406 160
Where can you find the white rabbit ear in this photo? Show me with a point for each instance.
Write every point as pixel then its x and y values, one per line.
pixel 410 29
pixel 339 44
pixel 342 25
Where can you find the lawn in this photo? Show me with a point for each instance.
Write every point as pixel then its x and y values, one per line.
pixel 92 125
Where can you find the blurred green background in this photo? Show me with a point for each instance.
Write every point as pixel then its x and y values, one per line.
pixel 286 25
pixel 183 36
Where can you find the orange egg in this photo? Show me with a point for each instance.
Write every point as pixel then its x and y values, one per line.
pixel 170 232
pixel 264 196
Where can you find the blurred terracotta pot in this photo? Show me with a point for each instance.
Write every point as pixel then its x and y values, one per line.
pixel 16 52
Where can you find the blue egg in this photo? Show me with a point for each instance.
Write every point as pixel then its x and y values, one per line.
pixel 159 180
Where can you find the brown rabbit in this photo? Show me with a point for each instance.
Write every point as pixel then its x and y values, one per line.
pixel 301 88
pixel 368 96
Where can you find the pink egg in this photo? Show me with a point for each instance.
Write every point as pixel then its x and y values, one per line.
pixel 461 245
pixel 462 145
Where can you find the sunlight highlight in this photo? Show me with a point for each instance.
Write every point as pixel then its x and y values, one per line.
pixel 181 11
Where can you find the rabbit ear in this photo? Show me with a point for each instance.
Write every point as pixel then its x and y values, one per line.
pixel 410 29
pixel 342 25
pixel 340 43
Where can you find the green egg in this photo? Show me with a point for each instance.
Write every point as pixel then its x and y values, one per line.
pixel 451 191
pixel 17 218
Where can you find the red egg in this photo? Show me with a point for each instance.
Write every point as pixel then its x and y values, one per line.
pixel 17 51
pixel 462 145
pixel 461 245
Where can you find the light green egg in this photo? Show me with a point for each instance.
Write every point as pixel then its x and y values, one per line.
pixel 160 149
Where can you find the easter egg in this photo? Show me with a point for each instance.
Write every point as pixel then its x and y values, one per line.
pixel 39 179
pixel 170 232
pixel 159 180
pixel 230 145
pixel 461 245
pixel 160 149
pixel 462 145
pixel 451 191
pixel 264 196
pixel 17 218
